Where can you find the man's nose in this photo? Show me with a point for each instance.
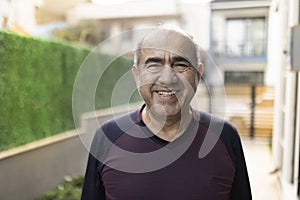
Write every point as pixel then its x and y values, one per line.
pixel 167 76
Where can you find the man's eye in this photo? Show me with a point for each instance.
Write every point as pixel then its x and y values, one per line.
pixel 154 67
pixel 181 67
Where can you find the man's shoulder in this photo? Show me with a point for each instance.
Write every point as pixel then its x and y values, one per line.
pixel 116 126
pixel 221 127
pixel 224 130
pixel 212 121
pixel 109 132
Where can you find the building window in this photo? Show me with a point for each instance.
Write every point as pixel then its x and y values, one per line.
pixel 240 37
pixel 245 37
pixel 242 77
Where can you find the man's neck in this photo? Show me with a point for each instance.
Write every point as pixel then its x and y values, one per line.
pixel 167 127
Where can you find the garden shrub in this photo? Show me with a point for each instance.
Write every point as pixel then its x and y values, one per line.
pixel 36 84
pixel 69 189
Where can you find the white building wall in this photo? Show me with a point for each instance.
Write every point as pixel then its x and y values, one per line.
pixel 288 139
pixel 135 9
pixel 196 21
pixel 276 68
pixel 297 142
pixel 286 136
pixel 20 14
pixel 276 57
pixel 194 17
pixel 290 175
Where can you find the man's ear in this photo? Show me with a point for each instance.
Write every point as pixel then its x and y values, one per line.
pixel 200 71
pixel 134 72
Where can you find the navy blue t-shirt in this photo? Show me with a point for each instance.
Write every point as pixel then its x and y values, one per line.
pixel 156 169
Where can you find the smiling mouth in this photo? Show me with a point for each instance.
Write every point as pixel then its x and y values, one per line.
pixel 166 94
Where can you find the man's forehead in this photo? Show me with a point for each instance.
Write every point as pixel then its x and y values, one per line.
pixel 167 39
pixel 159 53
pixel 176 43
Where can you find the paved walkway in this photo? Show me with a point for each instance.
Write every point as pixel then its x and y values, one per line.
pixel 259 161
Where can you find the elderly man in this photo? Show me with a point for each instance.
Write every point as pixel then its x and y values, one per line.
pixel 155 152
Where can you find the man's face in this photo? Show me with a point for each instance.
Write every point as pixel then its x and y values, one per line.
pixel 166 80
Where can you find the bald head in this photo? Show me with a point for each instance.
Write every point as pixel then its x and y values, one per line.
pixel 173 40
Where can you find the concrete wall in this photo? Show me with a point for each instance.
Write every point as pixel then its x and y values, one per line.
pixel 30 170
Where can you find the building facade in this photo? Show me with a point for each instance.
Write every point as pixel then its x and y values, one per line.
pixel 239 40
pixel 118 18
pixel 18 15
pixel 284 16
pixel 238 47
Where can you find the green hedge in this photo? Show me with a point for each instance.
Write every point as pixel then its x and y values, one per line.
pixel 36 83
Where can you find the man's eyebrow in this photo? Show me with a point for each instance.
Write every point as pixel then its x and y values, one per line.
pixel 179 59
pixel 154 59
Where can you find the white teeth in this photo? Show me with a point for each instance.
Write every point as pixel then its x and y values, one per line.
pixel 166 93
